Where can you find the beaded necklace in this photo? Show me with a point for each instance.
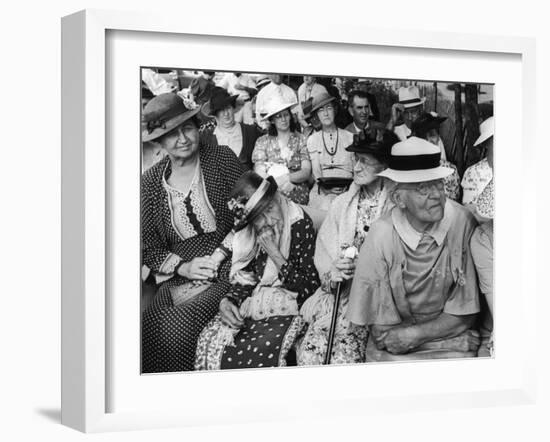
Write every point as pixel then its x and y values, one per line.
pixel 332 151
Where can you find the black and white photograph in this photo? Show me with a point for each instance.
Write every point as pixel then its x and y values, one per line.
pixel 302 220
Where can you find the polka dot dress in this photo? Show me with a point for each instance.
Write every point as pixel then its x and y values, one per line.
pixel 170 333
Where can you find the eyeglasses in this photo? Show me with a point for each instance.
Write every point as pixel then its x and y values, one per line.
pixel 425 187
pixel 327 108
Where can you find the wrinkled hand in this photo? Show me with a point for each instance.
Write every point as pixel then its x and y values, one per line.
pixel 230 314
pixel 465 342
pixel 396 340
pixel 269 242
pixel 201 267
pixel 342 269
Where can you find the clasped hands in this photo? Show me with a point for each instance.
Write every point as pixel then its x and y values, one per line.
pixel 404 338
pixel 200 267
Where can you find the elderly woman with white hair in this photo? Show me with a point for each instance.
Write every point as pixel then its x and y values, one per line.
pixel 415 286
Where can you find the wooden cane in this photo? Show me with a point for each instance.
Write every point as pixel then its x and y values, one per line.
pixel 333 321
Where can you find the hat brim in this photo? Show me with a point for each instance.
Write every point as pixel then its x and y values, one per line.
pixel 414 104
pixel 260 205
pixel 321 104
pixel 207 110
pixel 275 112
pixel 169 125
pixel 482 138
pixel 417 176
pixel 432 124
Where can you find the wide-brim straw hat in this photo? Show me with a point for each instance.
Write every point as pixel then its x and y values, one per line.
pixel 486 130
pixel 164 113
pixel 321 100
pixel 415 160
pixel 275 105
pixel 410 96
pixel 219 99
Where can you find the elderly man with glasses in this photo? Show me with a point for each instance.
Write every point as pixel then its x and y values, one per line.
pixel 415 286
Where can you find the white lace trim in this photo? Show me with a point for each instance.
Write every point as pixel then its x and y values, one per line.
pixel 200 206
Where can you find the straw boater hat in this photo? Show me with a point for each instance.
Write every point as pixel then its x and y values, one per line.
pixel 261 81
pixel 275 105
pixel 410 96
pixel 486 130
pixel 255 195
pixel 415 160
pixel 425 122
pixel 219 99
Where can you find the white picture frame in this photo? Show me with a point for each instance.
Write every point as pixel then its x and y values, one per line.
pixel 86 352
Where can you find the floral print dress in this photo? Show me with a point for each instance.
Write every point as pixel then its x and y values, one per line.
pixel 268 152
pixel 349 344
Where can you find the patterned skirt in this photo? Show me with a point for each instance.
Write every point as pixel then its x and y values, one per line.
pixel 259 343
pixel 349 344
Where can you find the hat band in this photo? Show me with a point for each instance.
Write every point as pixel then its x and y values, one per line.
pixel 155 123
pixel 412 100
pixel 257 196
pixel 415 162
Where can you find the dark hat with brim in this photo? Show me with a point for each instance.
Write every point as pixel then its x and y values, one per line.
pixel 219 99
pixel 376 141
pixel 164 113
pixel 334 182
pixel 247 207
pixel 425 122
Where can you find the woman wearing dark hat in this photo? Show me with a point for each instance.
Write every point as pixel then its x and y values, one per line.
pixel 239 137
pixel 426 126
pixel 184 222
pixel 340 237
pixel 331 164
pixel 282 152
pixel 272 274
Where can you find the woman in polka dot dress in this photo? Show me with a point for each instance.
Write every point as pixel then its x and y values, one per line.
pixel 272 274
pixel 184 221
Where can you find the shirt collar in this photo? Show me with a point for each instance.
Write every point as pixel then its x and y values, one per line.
pixel 412 237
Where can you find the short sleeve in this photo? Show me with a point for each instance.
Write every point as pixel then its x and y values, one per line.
pixel 259 155
pixel 371 300
pixel 482 254
pixel 302 148
pixel 464 295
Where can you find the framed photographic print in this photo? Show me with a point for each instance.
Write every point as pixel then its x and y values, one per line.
pixel 179 266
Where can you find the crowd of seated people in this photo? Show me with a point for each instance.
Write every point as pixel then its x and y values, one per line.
pixel 262 204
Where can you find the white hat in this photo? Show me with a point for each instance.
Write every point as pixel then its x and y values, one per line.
pixel 275 105
pixel 486 130
pixel 410 96
pixel 415 160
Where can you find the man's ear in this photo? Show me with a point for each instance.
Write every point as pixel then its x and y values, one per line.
pixel 349 109
pixel 398 198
